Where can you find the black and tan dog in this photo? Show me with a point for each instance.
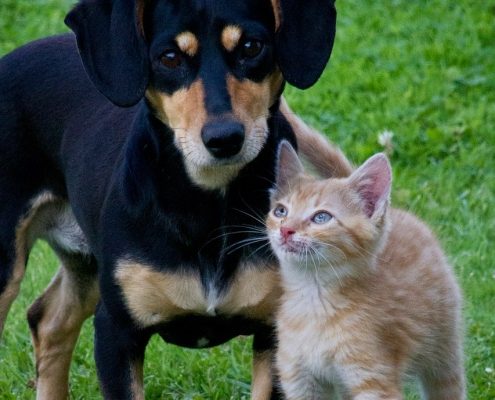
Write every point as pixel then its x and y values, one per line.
pixel 144 186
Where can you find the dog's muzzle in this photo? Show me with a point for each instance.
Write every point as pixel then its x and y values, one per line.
pixel 223 138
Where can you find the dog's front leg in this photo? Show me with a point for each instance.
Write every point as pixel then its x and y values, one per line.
pixel 264 382
pixel 119 354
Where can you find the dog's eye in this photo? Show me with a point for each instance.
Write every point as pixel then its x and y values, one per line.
pixel 171 59
pixel 280 211
pixel 252 48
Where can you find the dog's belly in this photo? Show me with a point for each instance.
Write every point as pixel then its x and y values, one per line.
pixel 199 331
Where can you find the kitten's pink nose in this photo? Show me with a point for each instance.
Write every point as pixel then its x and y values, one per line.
pixel 286 232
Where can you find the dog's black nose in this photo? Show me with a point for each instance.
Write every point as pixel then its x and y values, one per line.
pixel 223 139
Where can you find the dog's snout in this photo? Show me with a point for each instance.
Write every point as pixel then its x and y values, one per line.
pixel 223 139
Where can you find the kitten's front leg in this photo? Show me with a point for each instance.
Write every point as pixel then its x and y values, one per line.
pixel 297 382
pixel 369 383
pixel 304 387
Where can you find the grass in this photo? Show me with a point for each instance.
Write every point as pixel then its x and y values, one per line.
pixel 424 70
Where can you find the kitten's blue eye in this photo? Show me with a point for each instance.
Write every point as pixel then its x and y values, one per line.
pixel 280 211
pixel 321 217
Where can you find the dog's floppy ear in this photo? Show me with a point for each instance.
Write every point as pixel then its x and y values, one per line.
pixel 304 39
pixel 112 48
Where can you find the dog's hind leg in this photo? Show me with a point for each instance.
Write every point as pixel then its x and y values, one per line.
pixel 56 318
pixel 16 240
pixel 11 274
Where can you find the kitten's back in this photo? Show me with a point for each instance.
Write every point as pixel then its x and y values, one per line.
pixel 418 291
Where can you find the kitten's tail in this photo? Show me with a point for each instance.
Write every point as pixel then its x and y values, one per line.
pixel 327 159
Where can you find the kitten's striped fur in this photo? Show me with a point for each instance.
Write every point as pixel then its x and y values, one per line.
pixel 368 296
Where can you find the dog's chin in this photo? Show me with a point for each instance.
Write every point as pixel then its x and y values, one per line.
pixel 215 174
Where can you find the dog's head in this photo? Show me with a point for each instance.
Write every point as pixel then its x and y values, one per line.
pixel 210 69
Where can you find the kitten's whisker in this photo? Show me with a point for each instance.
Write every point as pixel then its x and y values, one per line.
pixel 243 226
pixel 306 258
pixel 260 218
pixel 243 243
pixel 221 236
pixel 259 248
pixel 256 217
pixel 332 246
pixel 334 269
pixel 368 253
pixel 248 229
pixel 257 231
pixel 317 279
pixel 247 240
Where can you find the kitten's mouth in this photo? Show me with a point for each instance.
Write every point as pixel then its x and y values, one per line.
pixel 290 247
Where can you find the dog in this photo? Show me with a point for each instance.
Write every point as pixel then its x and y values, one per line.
pixel 140 147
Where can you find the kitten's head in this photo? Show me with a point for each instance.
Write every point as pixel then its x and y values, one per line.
pixel 328 224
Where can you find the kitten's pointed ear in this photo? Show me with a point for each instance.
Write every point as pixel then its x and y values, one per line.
pixel 288 166
pixel 373 181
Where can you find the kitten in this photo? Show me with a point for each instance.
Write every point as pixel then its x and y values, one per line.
pixel 368 294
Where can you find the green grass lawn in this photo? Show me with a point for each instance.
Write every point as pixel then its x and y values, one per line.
pixel 424 70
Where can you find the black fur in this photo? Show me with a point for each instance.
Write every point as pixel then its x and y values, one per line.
pixel 119 168
pixel 107 36
pixel 305 40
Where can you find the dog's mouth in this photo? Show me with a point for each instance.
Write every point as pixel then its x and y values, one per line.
pixel 214 176
pixel 212 173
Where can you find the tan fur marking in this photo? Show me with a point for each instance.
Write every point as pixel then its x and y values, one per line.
pixel 231 35
pixel 188 43
pixel 137 384
pixel 140 7
pixel 261 385
pixel 251 100
pixel 184 111
pixel 277 13
pixel 153 296
pixel 254 292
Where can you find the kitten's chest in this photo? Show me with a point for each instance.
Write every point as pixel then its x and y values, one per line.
pixel 317 328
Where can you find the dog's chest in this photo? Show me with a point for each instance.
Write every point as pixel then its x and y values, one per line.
pixel 154 297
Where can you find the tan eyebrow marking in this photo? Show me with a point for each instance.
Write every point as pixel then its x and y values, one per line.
pixel 188 43
pixel 231 35
pixel 277 12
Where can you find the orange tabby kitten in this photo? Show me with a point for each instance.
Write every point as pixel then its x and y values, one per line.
pixel 368 294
